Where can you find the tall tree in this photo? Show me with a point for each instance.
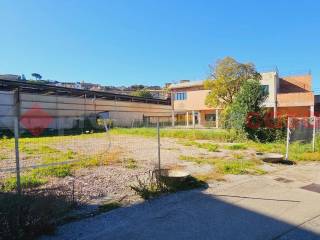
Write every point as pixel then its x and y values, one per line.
pixel 226 78
pixel 37 76
pixel 249 100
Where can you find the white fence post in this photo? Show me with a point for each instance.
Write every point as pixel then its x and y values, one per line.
pixel 314 134
pixel 288 139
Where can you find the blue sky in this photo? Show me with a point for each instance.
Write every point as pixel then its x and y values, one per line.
pixel 153 42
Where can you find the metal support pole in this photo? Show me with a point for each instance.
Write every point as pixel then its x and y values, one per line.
pixel 187 119
pixel 288 139
pixel 172 118
pixel 314 135
pixel 158 133
pixel 193 119
pixel 16 137
pixel 217 118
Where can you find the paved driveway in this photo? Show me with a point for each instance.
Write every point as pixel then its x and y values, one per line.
pixel 246 207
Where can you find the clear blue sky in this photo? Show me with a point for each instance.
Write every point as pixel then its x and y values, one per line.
pixel 115 42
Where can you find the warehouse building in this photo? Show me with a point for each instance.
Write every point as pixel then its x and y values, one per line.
pixel 52 107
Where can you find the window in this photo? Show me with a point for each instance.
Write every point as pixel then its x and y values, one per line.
pixel 180 96
pixel 210 117
pixel 265 89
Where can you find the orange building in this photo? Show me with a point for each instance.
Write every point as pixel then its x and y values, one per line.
pixel 287 96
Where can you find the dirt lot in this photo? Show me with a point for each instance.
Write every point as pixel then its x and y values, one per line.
pixel 131 157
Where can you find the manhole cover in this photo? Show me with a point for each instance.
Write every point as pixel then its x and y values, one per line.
pixel 312 187
pixel 284 180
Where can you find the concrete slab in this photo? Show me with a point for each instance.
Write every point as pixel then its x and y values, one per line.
pixel 254 207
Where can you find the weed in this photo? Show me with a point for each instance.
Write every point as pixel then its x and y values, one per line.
pixel 236 147
pixel 209 146
pixel 155 186
pixel 130 163
pixel 239 167
pixel 226 166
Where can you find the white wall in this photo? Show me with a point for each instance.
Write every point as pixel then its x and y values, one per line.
pixel 272 80
pixel 66 110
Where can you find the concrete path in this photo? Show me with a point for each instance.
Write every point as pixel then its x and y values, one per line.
pixel 247 207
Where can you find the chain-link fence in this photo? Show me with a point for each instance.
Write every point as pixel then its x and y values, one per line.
pixel 303 134
pixel 92 158
pixel 90 154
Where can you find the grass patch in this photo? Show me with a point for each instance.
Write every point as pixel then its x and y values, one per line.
pixel 190 134
pixel 236 166
pixel 27 181
pixel 236 147
pixel 298 151
pixel 209 146
pixel 60 171
pixel 108 206
pixel 239 167
pixel 130 163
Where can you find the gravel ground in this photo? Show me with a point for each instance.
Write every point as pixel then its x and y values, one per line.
pixel 114 180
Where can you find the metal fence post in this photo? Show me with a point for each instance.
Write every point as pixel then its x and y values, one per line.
pixel 158 134
pixel 288 138
pixel 314 134
pixel 16 137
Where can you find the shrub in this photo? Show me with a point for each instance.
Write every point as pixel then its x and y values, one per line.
pixel 155 186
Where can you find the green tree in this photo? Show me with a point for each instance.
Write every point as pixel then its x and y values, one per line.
pixel 37 76
pixel 142 93
pixel 226 78
pixel 247 106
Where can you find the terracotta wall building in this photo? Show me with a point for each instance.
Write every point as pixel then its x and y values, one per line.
pixel 287 96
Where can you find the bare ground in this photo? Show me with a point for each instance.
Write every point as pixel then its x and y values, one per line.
pixel 114 181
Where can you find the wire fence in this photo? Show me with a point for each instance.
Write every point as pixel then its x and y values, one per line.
pixel 89 153
pixel 95 158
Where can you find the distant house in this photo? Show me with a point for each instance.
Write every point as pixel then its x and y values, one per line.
pixel 290 96
pixel 10 77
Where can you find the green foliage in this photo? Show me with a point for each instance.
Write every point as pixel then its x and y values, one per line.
pixel 26 181
pixel 36 76
pixel 226 79
pixel 142 93
pixel 154 186
pixel 236 147
pixel 226 166
pixel 239 167
pixel 59 171
pixel 130 163
pixel 247 101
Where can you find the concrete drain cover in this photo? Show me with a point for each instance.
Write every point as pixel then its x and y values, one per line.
pixel 312 187
pixel 284 180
